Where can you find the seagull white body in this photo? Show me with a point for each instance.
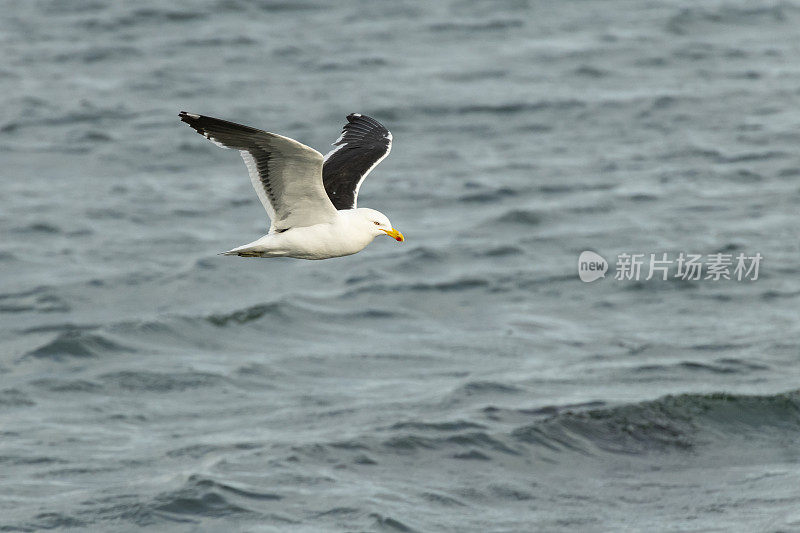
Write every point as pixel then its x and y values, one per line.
pixel 349 233
pixel 310 200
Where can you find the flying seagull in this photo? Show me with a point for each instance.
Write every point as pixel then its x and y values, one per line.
pixel 310 199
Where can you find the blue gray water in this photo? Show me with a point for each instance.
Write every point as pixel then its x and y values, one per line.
pixel 465 380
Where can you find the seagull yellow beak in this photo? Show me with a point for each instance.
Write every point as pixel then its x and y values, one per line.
pixel 394 234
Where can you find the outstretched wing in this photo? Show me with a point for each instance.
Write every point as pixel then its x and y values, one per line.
pixel 286 174
pixel 363 144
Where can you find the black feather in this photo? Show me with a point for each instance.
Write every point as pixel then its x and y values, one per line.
pixel 364 141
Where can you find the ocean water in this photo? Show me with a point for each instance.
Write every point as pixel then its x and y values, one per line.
pixel 465 380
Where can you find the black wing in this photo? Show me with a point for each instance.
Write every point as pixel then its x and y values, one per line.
pixel 363 144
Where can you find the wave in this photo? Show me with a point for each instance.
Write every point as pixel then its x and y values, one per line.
pixel 525 440
pixel 501 251
pixel 488 25
pixel 78 342
pixel 520 107
pixel 397 113
pixel 248 314
pixel 720 366
pixel 197 451
pixel 198 497
pixel 290 311
pixel 387 523
pixel 202 496
pixel 67 385
pixel 456 425
pixel 65 341
pixel 50 520
pixel 142 16
pixel 680 422
pixel 488 196
pixel 270 6
pixel 139 380
pixel 589 71
pixel 525 217
pixel 15 398
pixel 686 423
pixel 39 299
pixel 486 387
pixel 696 19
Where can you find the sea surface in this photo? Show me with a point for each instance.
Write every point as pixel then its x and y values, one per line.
pixel 464 380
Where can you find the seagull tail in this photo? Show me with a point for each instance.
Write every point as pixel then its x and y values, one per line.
pixel 257 248
pixel 244 251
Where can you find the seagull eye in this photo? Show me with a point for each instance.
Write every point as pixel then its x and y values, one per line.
pixel 376 223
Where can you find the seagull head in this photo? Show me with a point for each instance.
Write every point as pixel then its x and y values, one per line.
pixel 379 224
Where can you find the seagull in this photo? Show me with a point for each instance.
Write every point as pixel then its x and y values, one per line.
pixel 310 199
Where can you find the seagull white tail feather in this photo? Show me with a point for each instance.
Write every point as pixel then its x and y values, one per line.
pixel 253 249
